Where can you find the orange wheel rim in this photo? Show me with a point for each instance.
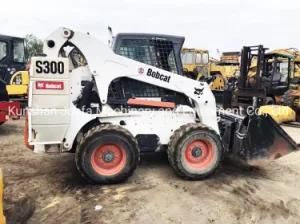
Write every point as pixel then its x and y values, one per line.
pixel 108 159
pixel 199 154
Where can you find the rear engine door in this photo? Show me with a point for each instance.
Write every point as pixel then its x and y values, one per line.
pixel 49 100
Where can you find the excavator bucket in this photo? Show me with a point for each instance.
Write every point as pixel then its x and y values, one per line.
pixel 253 138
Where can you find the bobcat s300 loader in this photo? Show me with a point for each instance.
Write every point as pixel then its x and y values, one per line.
pixel 108 108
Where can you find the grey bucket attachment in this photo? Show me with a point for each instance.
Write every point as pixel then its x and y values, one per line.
pixel 254 137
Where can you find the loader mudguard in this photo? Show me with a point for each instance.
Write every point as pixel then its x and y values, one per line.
pixel 254 137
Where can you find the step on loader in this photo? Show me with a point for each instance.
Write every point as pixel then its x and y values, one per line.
pixel 109 107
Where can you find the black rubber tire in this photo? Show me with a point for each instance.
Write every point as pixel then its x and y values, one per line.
pixel 185 135
pixel 106 134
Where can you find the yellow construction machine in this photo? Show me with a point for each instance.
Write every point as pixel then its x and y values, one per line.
pixel 291 97
pixel 225 70
pixel 296 77
pixel 13 66
pixel 2 217
pixel 197 65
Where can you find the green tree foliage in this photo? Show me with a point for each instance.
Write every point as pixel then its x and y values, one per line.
pixel 34 45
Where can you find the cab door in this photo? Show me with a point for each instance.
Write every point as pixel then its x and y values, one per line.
pixel 17 81
pixel 4 60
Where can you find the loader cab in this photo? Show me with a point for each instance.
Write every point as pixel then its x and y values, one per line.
pixel 13 62
pixel 12 57
pixel 277 73
pixel 161 51
pixel 296 76
pixel 195 63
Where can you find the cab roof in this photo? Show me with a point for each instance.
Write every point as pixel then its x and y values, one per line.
pixel 271 54
pixel 173 38
pixel 6 37
pixel 197 50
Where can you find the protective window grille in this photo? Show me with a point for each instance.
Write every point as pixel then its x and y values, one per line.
pixel 156 52
pixel 128 88
pixel 140 89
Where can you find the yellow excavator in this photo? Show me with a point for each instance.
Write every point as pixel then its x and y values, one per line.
pixel 197 65
pixel 2 217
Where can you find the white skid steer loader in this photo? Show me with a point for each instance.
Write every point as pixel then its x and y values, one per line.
pixel 108 108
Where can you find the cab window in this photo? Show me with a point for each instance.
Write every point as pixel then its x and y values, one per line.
pixel 3 50
pixel 156 52
pixel 284 71
pixel 19 51
pixel 198 58
pixel 205 58
pixel 187 58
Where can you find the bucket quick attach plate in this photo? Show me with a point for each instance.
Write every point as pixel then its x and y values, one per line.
pixel 254 137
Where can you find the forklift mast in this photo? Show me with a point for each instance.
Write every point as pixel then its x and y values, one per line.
pixel 250 91
pixel 247 56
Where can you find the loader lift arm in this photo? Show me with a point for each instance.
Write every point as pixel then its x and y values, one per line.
pixel 117 66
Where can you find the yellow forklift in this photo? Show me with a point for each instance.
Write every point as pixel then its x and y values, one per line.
pixel 13 70
pixel 270 79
